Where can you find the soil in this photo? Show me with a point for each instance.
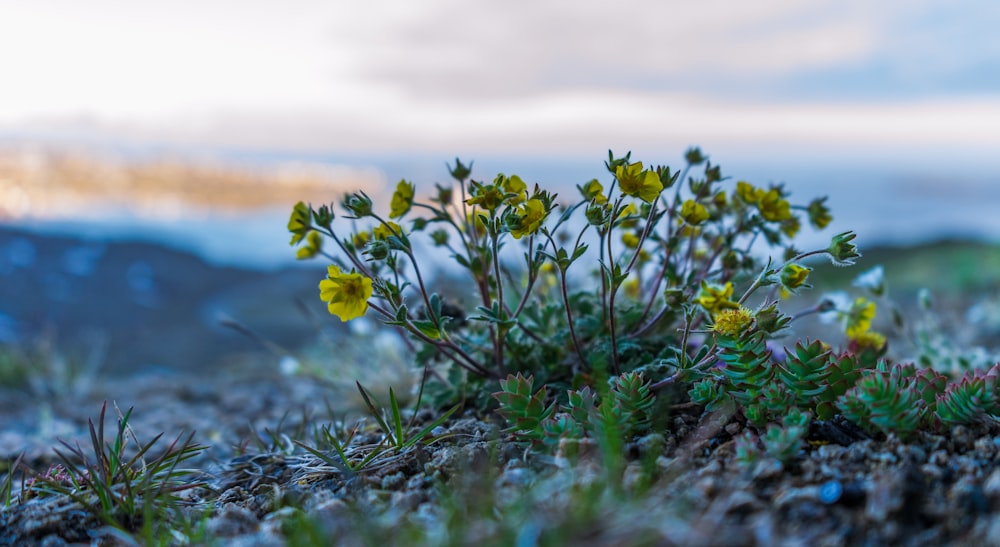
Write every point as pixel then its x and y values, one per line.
pixel 843 489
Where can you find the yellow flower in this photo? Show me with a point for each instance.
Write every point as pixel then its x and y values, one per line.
pixel 628 210
pixel 791 227
pixel 869 339
pixel 819 213
pixel 300 222
pixel 384 231
pixel 635 182
pixel 693 212
pixel 360 239
pixel 514 185
pixel 773 207
pixel 594 191
pixel 630 239
pixel 402 199
pixel 748 193
pixel 529 218
pixel 346 294
pixel 313 246
pixel 715 298
pixel 794 276
pixel 858 319
pixel 733 322
pixel 487 196
pixel 631 287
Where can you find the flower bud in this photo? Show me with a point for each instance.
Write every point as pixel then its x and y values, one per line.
pixel 299 223
pixel 359 205
pixel 324 216
pixel 460 172
pixel 418 224
pixel 667 179
pixel 694 156
pixel 793 276
pixel 439 237
pixel 819 213
pixel 444 195
pixel 598 215
pixel 842 252
pixel 713 173
pixel 377 249
pixel 673 297
pixel 614 163
pixel 771 320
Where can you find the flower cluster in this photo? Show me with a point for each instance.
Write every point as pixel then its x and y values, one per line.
pixel 669 251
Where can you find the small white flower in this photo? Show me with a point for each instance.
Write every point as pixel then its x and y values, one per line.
pixel 873 280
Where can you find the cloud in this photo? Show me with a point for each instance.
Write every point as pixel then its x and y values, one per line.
pixel 463 51
pixel 444 76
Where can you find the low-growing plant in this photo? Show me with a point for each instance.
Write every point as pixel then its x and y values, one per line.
pixel 119 482
pixel 396 437
pixel 665 250
pixel 44 366
pixel 624 407
pixel 651 281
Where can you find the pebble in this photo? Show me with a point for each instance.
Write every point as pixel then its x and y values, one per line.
pixel 849 493
pixel 858 452
pixel 991 486
pixel 828 452
pixel 792 496
pixel 233 520
pixel 931 471
pixel 767 468
pixel 394 481
pixel 885 497
pixel 939 458
pixel 518 476
pixel 743 502
pixel 830 492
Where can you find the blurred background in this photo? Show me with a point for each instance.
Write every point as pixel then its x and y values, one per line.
pixel 150 152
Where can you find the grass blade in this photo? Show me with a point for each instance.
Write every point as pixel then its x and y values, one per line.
pixel 397 419
pixel 375 412
pixel 423 432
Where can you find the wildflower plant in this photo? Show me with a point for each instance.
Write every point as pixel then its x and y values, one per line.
pixel 625 275
pixel 582 309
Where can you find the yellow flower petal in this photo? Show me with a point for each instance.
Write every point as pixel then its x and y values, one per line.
pixel 402 199
pixel 346 294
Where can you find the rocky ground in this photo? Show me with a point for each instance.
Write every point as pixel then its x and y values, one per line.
pixel 844 489
pixel 475 484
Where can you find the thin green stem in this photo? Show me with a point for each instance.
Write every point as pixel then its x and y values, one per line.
pixel 501 332
pixel 611 292
pixel 564 291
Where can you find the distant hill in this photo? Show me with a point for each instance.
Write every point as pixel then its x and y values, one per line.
pixel 154 306
pixel 48 183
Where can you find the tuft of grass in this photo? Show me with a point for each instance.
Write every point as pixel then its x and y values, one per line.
pixel 396 436
pixel 43 366
pixel 123 490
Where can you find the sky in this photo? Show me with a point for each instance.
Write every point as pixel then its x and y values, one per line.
pixel 447 77
pixel 891 108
